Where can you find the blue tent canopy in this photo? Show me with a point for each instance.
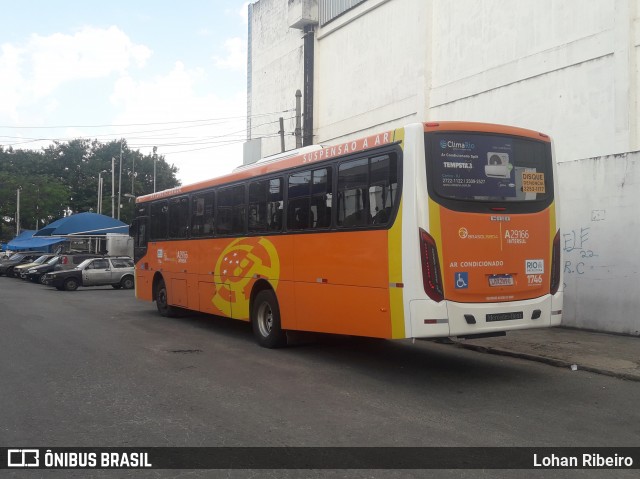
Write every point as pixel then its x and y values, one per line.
pixel 82 224
pixel 26 242
pixel 85 224
pixel 25 235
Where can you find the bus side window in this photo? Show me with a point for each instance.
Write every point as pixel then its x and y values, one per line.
pixel 310 195
pixel 275 204
pixel 179 217
pixel 383 184
pixel 158 220
pixel 231 210
pixel 140 239
pixel 265 205
pixel 321 196
pixel 353 178
pixel 202 214
pixel 298 203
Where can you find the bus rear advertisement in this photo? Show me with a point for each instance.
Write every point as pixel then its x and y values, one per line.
pixel 431 230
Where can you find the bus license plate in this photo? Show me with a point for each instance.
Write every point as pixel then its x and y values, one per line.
pixel 501 280
pixel 504 316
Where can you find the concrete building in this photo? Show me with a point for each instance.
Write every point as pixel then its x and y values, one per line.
pixel 568 68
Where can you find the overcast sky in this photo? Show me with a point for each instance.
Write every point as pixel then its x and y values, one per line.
pixel 170 74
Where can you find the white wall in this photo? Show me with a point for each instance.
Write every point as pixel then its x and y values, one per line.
pixel 371 69
pixel 600 227
pixel 568 68
pixel 276 72
pixel 564 67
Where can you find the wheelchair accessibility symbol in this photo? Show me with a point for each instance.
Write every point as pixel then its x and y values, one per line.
pixel 462 280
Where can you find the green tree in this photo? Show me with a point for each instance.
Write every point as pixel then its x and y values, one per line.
pixel 65 176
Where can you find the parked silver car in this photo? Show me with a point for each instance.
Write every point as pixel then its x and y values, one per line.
pixel 116 271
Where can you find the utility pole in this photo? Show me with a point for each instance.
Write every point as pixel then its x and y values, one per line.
pixel 281 132
pixel 37 206
pixel 100 184
pixel 113 187
pixel 298 132
pixel 155 160
pixel 120 180
pixel 18 212
pixel 308 64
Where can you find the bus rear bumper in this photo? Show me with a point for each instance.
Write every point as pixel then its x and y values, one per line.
pixel 432 320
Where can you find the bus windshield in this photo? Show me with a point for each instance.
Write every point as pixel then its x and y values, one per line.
pixel 489 167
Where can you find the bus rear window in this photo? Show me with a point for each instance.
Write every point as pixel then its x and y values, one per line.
pixel 485 167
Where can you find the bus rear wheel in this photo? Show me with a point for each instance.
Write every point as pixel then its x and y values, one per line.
pixel 265 320
pixel 162 302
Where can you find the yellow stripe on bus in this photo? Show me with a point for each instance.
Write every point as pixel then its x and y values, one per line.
pixel 396 302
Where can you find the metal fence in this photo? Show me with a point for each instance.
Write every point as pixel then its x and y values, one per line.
pixel 330 9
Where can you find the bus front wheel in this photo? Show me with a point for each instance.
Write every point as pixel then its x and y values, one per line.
pixel 162 302
pixel 265 320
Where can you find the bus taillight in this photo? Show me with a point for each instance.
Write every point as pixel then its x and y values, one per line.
pixel 431 276
pixel 555 264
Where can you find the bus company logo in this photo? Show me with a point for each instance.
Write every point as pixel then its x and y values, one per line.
pixel 458 145
pixel 464 234
pixel 241 261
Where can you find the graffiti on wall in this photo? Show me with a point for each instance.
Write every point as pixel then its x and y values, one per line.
pixel 579 251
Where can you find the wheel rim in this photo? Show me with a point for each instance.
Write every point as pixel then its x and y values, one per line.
pixel 265 319
pixel 128 284
pixel 42 279
pixel 71 284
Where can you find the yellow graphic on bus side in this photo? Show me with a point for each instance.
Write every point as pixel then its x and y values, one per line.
pixel 242 261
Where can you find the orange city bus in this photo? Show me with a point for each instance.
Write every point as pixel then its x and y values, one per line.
pixel 431 230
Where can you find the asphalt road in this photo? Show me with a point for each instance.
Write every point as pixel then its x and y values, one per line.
pixel 97 368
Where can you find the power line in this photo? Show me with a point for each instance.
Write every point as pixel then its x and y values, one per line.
pixel 221 119
pixel 215 141
pixel 105 136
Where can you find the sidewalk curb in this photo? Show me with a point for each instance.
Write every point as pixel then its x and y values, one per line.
pixel 559 363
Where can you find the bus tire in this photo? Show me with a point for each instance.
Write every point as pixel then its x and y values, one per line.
pixel 265 320
pixel 164 308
